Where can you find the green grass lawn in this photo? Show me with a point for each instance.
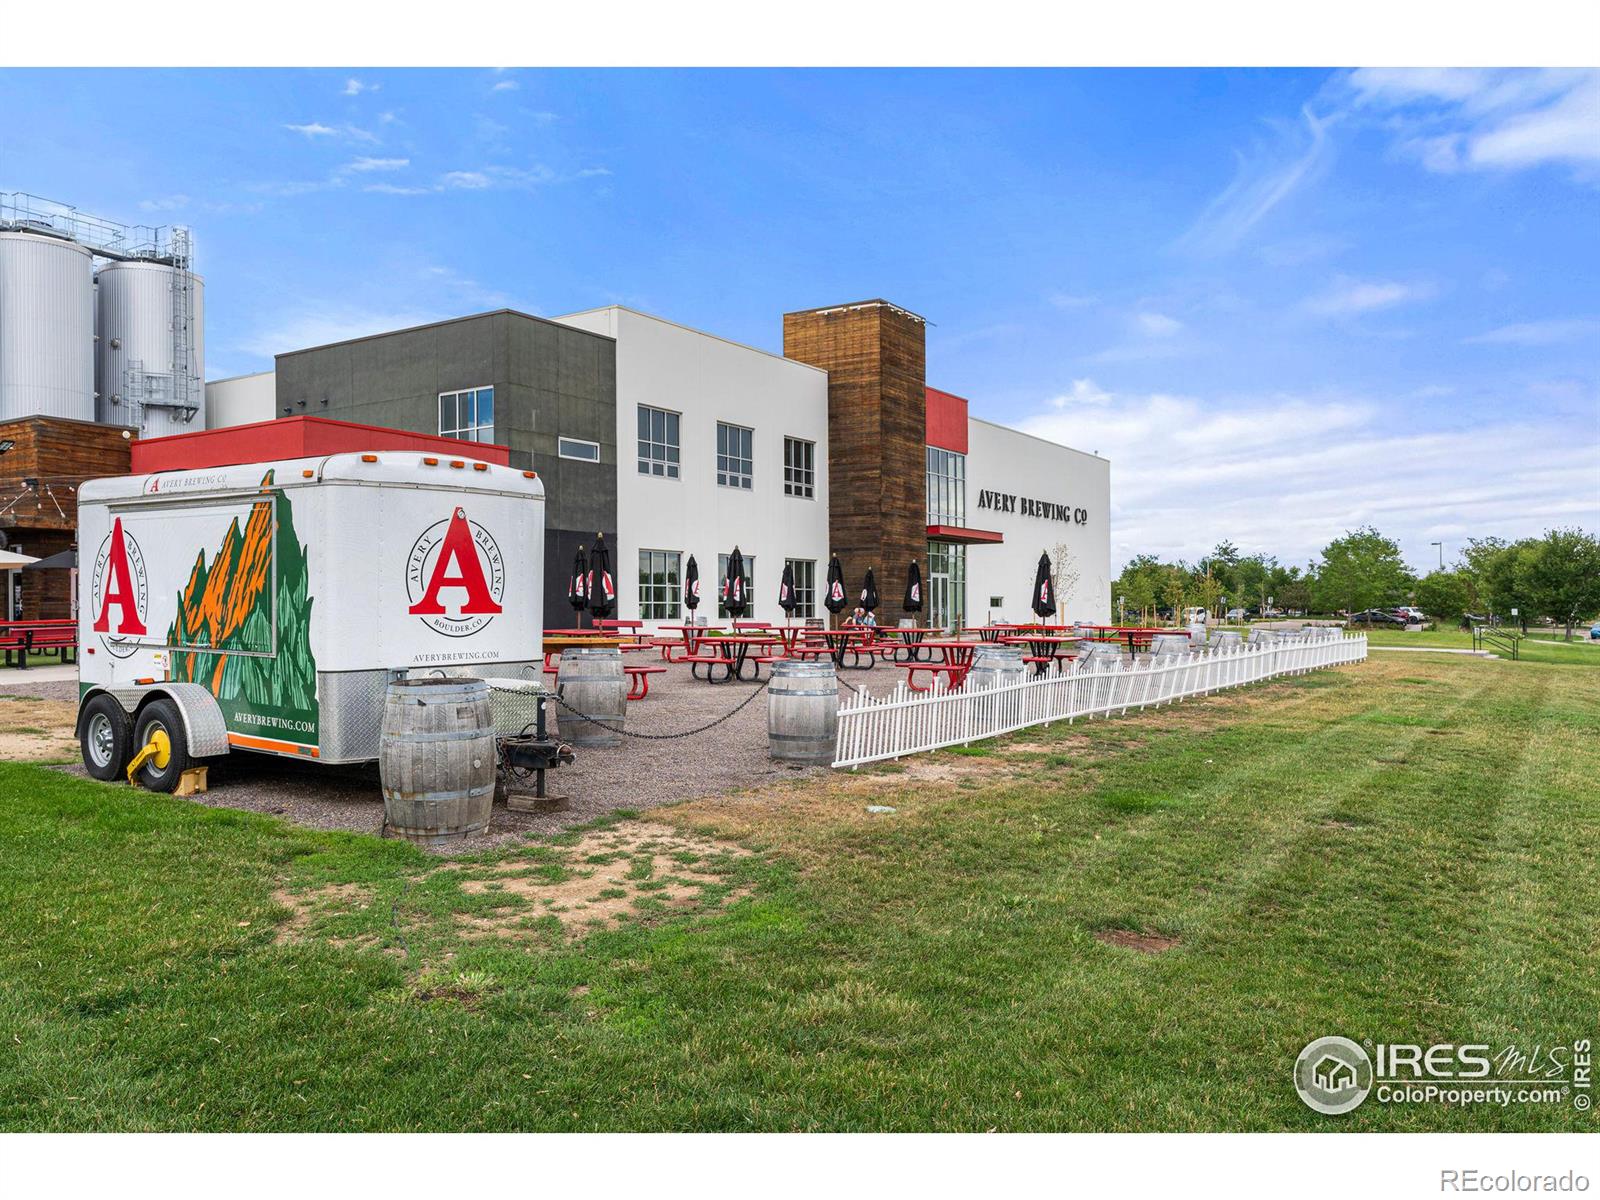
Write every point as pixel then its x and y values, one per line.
pixel 1541 647
pixel 1402 850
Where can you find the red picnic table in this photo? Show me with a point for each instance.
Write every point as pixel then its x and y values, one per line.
pixel 956 660
pixel 1043 648
pixel 1137 637
pixel 731 651
pixel 852 639
pixel 911 639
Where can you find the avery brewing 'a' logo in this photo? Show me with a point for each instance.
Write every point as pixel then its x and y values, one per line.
pixel 119 592
pixel 455 576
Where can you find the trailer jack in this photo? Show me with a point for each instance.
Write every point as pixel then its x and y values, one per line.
pixel 159 747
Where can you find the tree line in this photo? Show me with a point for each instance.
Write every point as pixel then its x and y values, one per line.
pixel 1556 576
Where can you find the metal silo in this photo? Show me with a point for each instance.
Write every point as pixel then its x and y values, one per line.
pixel 151 361
pixel 46 327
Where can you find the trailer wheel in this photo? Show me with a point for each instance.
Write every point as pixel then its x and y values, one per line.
pixel 161 719
pixel 105 736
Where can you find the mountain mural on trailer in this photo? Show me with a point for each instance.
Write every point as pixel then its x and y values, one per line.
pixel 227 604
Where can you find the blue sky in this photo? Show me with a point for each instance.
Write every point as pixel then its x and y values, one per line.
pixel 1284 303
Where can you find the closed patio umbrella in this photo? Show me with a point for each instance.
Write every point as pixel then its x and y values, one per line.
pixel 1044 592
pixel 869 592
pixel 913 601
pixel 62 559
pixel 578 585
pixel 602 587
pixel 691 585
pixel 835 599
pixel 734 588
pixel 787 600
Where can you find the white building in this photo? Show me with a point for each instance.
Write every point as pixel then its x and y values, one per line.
pixel 718 445
pixel 241 400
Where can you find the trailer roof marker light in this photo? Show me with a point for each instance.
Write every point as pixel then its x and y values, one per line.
pixel 307 473
pixel 480 466
pixel 369 458
pixel 430 461
pixel 458 463
pixel 530 474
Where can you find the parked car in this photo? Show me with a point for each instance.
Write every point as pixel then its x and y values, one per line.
pixel 1414 615
pixel 1594 632
pixel 1376 616
pixel 1236 614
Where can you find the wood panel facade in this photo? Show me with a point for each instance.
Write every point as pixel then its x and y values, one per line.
pixel 40 474
pixel 876 358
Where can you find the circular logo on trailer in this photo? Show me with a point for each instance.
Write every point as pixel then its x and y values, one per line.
pixel 455 576
pixel 119 592
pixel 1333 1075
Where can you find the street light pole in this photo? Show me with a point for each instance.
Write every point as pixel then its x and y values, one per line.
pixel 1441 553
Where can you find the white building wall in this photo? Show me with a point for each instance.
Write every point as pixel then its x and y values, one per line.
pixel 1017 464
pixel 707 379
pixel 241 400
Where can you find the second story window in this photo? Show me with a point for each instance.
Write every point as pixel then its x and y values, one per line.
pixel 947 487
pixel 735 456
pixel 468 415
pixel 658 442
pixel 578 448
pixel 799 468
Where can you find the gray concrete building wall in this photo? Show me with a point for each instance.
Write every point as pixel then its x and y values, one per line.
pixel 550 381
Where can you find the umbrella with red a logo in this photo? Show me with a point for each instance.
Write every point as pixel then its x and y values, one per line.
pixel 787 600
pixel 578 584
pixel 835 599
pixel 1044 592
pixel 734 586
pixel 691 585
pixel 913 600
pixel 602 591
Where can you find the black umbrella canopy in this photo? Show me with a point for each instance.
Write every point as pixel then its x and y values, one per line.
pixel 734 587
pixel 787 600
pixel 835 599
pixel 1044 591
pixel 913 602
pixel 869 592
pixel 691 585
pixel 578 585
pixel 602 587
pixel 58 561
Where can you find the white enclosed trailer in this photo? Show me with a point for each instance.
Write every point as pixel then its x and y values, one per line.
pixel 266 607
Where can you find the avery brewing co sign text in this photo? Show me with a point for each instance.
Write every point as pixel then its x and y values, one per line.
pixel 1029 507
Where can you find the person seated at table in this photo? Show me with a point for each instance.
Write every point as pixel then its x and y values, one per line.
pixel 861 619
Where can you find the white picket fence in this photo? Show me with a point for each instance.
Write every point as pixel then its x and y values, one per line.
pixel 873 728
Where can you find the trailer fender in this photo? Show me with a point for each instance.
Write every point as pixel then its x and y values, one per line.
pixel 203 726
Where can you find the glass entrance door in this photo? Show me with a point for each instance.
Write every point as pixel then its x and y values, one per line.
pixel 947 585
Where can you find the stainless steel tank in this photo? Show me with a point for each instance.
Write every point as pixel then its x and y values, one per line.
pixel 46 327
pixel 146 324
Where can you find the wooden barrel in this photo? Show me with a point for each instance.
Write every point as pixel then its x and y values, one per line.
pixel 1169 643
pixel 1097 656
pixel 436 757
pixel 591 681
pixel 1227 639
pixel 803 712
pixel 1197 634
pixel 1260 637
pixel 993 666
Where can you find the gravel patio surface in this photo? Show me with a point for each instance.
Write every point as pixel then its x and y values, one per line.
pixel 640 774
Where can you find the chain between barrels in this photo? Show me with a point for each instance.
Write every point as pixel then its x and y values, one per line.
pixel 650 737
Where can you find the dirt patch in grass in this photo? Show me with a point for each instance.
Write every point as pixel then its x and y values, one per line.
pixel 611 876
pixel 1143 941
pixel 34 730
pixel 308 908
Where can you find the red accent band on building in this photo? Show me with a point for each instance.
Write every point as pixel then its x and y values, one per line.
pixel 964 535
pixel 947 421
pixel 290 437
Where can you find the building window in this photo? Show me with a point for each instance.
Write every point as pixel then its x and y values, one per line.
pixel 660 590
pixel 947 487
pixel 735 456
pixel 467 415
pixel 749 585
pixel 805 584
pixel 579 449
pixel 947 585
pixel 658 442
pixel 799 468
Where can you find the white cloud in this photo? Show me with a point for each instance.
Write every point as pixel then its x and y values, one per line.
pixel 1285 474
pixel 354 87
pixel 377 164
pixel 1068 301
pixel 349 133
pixel 1263 181
pixel 398 189
pixel 319 324
pixel 1084 391
pixel 1158 324
pixel 471 180
pixel 1352 297
pixel 313 129
pixel 506 85
pixel 1538 333
pixel 165 203
pixel 1461 120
